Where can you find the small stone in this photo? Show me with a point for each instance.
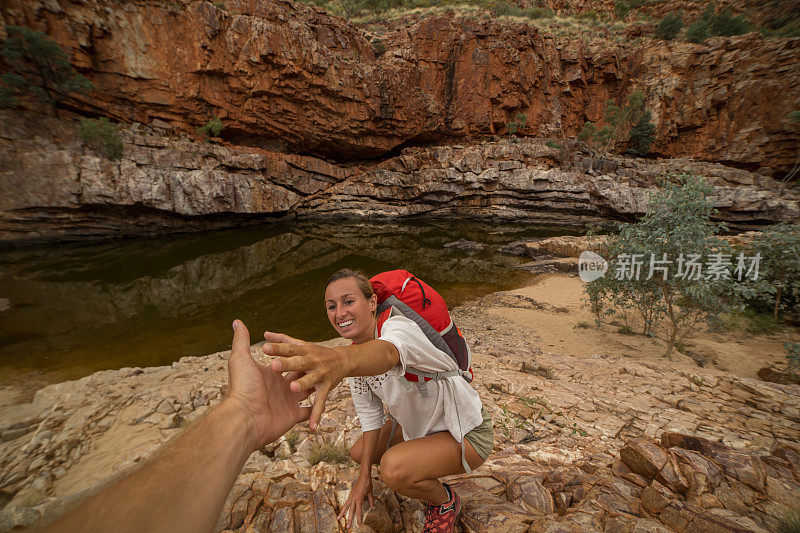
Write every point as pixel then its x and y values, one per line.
pixel 165 407
pixel 644 457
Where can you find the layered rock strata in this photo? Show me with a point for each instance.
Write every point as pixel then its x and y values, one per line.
pixel 54 188
pixel 582 444
pixel 287 76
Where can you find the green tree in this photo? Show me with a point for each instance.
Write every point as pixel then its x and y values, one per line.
pixel 617 120
pixel 675 233
pixel 778 247
pixel 39 67
pixel 669 27
pixel 102 136
pixel 642 135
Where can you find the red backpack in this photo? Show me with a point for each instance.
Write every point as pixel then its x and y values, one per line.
pixel 416 300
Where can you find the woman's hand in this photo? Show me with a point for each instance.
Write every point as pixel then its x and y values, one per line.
pixel 323 368
pixel 362 489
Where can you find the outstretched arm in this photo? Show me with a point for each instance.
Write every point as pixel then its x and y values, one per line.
pixel 324 367
pixel 183 488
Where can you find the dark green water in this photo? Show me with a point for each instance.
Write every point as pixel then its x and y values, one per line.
pixel 69 310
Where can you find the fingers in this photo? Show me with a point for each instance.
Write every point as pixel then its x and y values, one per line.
pixel 241 339
pixel 358 510
pixel 319 406
pixel 290 364
pixel 281 337
pixel 291 376
pixel 371 499
pixel 306 382
pixel 344 508
pixel 350 514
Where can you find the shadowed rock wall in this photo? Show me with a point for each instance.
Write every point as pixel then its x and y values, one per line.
pixel 56 189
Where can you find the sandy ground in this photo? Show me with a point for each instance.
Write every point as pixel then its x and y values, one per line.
pixel 562 324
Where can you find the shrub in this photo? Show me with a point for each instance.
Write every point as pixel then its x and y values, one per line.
pixel 517 124
pixel 213 128
pixel 792 359
pixel 698 32
pixel 323 452
pixel 37 66
pixel 540 13
pixel 292 437
pixel 617 118
pixel 626 330
pixel 102 136
pixel 554 145
pixel 642 135
pixel 621 9
pixel 724 23
pixel 712 23
pixel 669 27
pixel 378 47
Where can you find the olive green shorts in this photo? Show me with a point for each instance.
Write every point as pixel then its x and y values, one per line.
pixel 482 437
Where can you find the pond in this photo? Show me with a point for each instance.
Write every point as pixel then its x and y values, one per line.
pixel 69 310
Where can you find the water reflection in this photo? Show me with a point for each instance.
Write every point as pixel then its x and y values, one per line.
pixel 70 310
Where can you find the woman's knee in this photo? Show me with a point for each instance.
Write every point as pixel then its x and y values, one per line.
pixel 394 472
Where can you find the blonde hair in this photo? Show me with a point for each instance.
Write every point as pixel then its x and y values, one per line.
pixel 362 281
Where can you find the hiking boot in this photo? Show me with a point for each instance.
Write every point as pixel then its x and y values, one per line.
pixel 442 518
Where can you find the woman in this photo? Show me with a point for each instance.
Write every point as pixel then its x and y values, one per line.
pixel 426 443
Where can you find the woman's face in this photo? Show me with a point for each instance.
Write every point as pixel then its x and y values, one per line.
pixel 350 313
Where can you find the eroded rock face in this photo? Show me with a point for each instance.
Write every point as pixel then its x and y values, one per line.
pixel 283 75
pixel 55 188
pixel 601 443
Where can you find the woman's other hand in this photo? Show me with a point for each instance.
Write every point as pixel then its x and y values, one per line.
pixel 324 368
pixel 362 489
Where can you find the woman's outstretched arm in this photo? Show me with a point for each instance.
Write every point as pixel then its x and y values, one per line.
pixel 325 367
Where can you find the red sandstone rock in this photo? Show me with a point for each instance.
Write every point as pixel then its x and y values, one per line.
pixel 283 75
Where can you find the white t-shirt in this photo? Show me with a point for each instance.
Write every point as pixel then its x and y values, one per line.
pixel 455 407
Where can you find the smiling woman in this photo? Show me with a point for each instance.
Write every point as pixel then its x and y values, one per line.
pixel 443 428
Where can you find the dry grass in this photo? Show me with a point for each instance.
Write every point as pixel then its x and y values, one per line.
pixel 323 452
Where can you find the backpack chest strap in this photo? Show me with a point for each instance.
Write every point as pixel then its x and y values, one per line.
pixel 414 376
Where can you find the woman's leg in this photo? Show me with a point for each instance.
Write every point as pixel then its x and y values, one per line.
pixel 413 467
pixel 383 438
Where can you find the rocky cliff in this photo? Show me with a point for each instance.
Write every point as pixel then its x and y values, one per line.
pixel 287 76
pixel 320 122
pixel 57 189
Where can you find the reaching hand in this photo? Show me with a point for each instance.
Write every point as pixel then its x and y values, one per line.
pixel 315 367
pixel 362 489
pixel 272 408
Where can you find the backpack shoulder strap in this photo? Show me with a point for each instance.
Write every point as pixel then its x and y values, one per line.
pixel 433 335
